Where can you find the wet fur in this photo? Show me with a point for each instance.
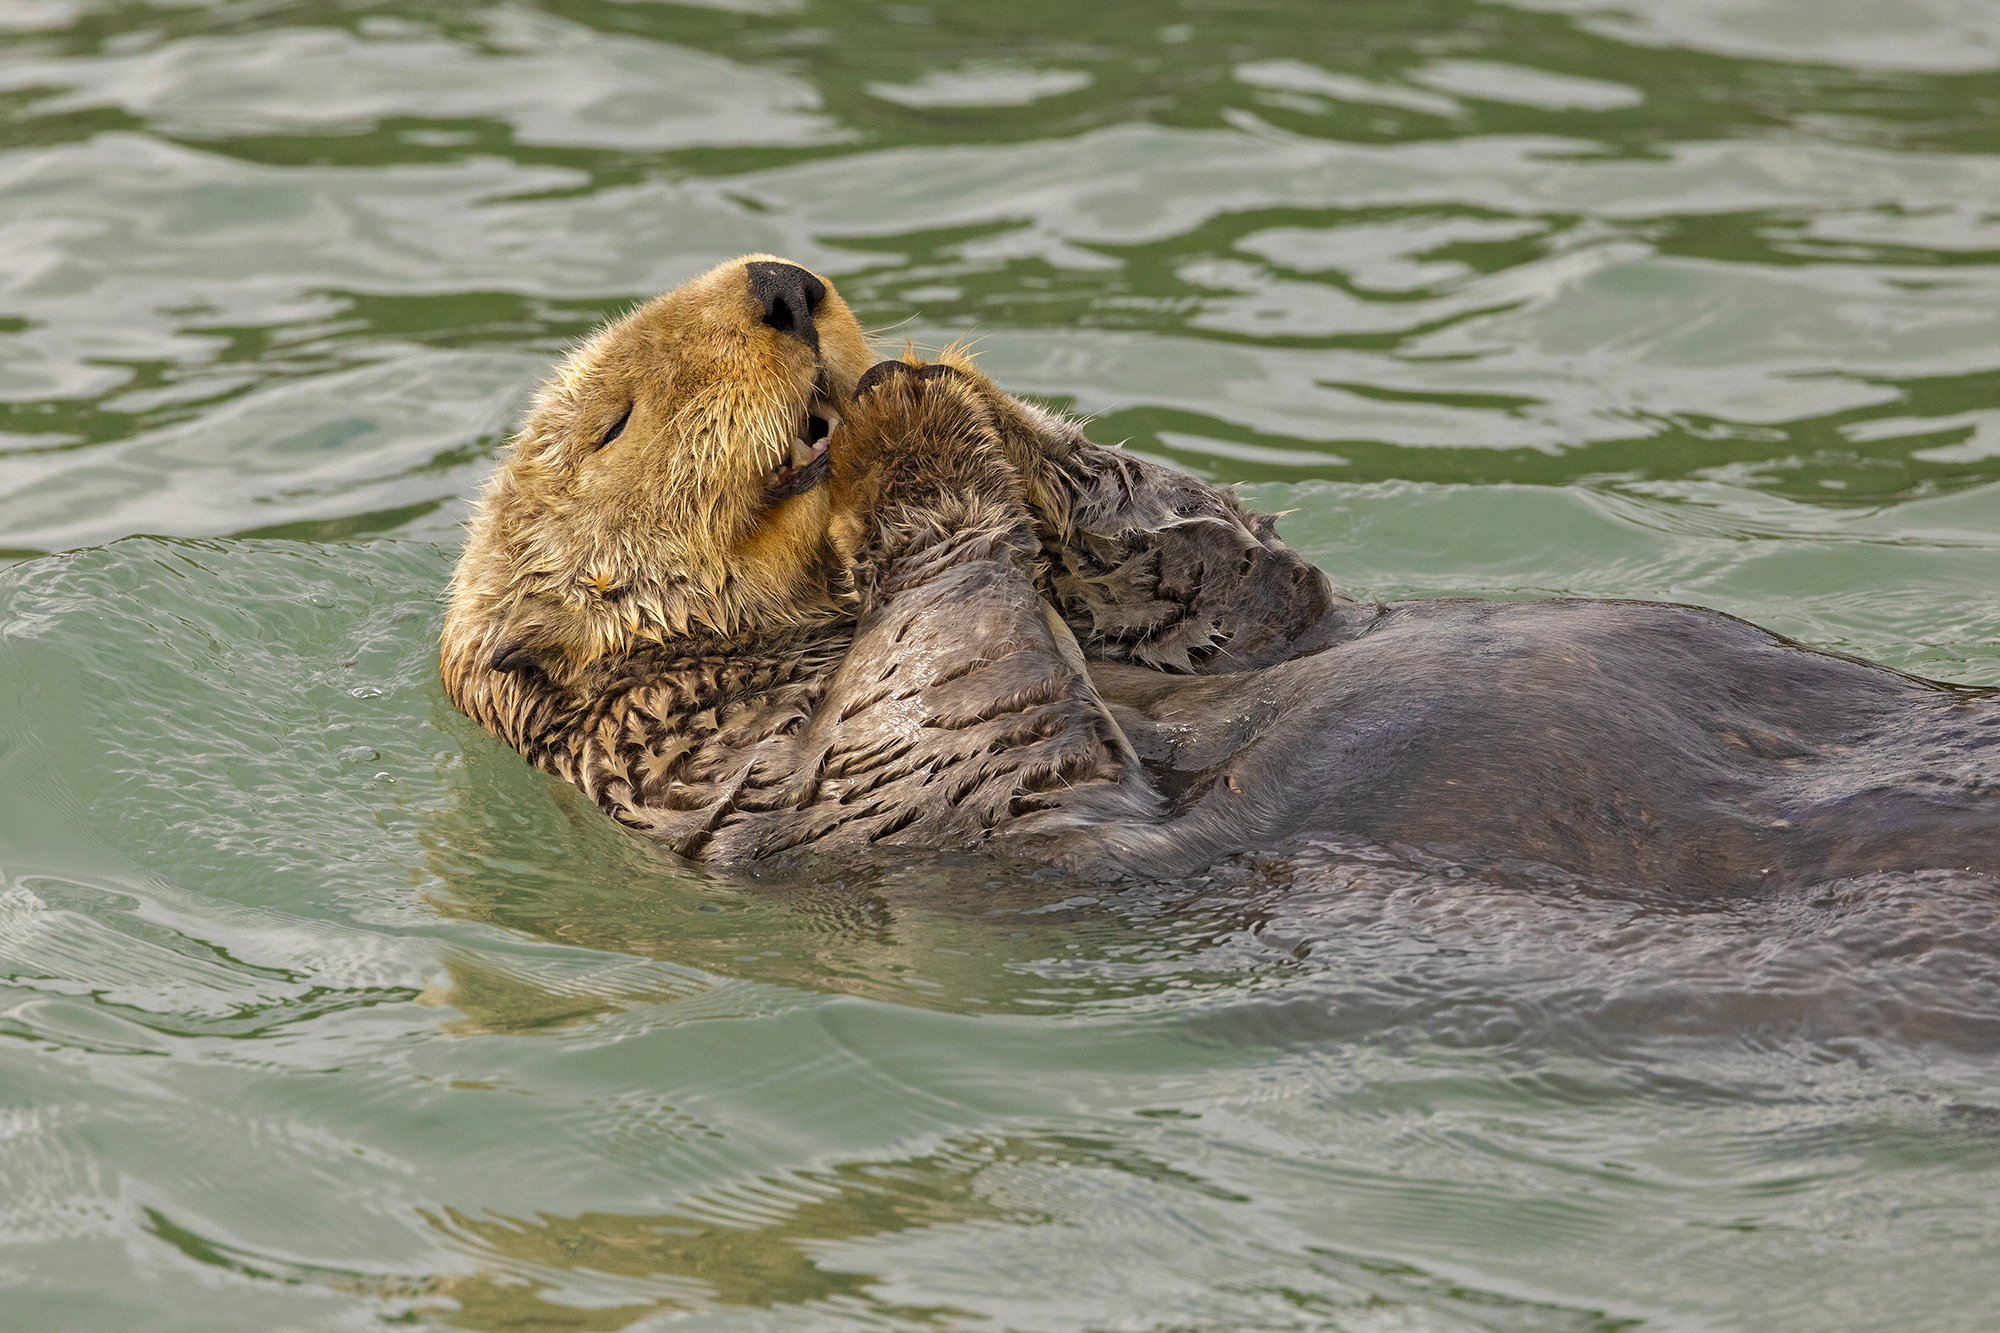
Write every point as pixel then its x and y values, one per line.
pixel 897 659
pixel 945 711
pixel 579 552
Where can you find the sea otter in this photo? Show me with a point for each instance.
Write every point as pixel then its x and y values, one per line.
pixel 762 599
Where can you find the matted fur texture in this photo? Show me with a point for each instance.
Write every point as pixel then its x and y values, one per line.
pixel 874 659
pixel 981 632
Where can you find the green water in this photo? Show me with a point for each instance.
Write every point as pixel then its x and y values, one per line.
pixel 321 1011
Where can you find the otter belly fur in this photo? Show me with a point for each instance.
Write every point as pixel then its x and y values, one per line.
pixel 763 601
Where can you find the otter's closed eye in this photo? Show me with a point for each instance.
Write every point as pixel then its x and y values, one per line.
pixel 617 429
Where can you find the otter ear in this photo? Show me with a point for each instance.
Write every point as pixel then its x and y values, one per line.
pixel 514 656
pixel 533 638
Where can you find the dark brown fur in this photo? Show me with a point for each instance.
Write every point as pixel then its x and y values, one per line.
pixel 943 712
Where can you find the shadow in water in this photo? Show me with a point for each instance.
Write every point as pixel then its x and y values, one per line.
pixel 772 1245
pixel 967 935
pixel 1326 943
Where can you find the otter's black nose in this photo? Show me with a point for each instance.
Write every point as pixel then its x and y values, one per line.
pixel 789 295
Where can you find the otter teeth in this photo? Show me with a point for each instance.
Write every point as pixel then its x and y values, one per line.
pixel 807 446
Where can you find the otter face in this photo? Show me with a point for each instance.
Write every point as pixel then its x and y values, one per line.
pixel 666 481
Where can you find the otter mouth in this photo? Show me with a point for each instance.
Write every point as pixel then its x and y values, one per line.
pixel 805 463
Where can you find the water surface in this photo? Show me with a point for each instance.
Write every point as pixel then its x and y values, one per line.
pixel 319 1010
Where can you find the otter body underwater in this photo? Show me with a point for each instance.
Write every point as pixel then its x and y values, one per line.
pixel 764 599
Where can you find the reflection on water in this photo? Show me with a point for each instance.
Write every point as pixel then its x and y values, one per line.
pixel 964 935
pixel 777 1243
pixel 318 1008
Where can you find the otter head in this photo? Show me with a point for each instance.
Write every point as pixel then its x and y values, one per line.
pixel 665 483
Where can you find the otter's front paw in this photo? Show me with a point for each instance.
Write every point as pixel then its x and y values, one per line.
pixel 916 433
pixel 917 457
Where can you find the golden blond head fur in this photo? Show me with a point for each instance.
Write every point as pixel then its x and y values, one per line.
pixel 582 548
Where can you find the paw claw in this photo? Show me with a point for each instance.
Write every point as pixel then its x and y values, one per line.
pixel 886 370
pixel 877 373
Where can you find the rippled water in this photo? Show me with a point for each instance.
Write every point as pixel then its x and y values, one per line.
pixel 321 1010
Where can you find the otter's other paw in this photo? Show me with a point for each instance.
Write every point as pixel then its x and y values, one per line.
pixel 1148 564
